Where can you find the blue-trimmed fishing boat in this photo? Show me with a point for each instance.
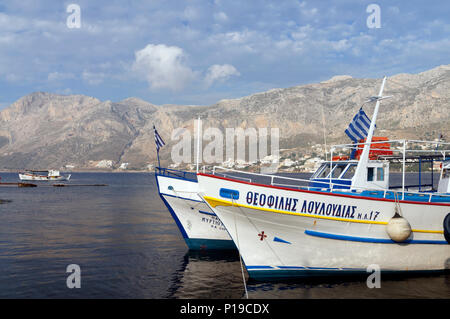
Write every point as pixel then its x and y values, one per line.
pixel 200 227
pixel 344 220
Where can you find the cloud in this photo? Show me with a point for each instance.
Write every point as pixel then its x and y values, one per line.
pixel 218 72
pixel 60 76
pixel 271 44
pixel 93 78
pixel 221 17
pixel 163 67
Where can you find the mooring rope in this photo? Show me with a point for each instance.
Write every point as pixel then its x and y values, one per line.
pixel 239 250
pixel 398 209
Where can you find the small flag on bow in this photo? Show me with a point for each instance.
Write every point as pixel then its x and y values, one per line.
pixel 158 140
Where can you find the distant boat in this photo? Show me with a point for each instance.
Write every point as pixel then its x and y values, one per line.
pixel 50 175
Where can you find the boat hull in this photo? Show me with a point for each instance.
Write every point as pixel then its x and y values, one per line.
pixel 31 177
pixel 305 233
pixel 200 227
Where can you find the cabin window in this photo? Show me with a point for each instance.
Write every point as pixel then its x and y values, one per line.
pixel 349 172
pixel 325 171
pixel 317 173
pixel 338 170
pixel 370 174
pixel 380 174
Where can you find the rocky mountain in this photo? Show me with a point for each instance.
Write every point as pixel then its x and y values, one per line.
pixel 44 130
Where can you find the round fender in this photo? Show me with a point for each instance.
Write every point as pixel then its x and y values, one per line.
pixel 447 228
pixel 398 229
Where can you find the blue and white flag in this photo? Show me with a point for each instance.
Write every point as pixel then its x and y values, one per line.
pixel 359 127
pixel 158 140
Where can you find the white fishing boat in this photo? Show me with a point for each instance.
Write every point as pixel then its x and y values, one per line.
pixel 50 175
pixel 198 224
pixel 344 219
pixel 200 227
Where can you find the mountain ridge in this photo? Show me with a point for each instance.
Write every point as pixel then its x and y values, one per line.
pixel 50 130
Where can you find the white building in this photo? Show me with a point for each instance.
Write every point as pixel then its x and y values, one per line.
pixel 228 163
pixel 105 164
pixel 312 164
pixel 270 159
pixel 288 162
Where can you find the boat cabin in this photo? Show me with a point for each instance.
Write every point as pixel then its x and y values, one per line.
pixel 340 174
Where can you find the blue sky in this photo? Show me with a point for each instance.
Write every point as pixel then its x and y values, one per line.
pixel 198 52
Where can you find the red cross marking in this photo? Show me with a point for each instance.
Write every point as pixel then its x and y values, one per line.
pixel 262 235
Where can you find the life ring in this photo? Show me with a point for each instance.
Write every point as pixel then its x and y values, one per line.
pixel 447 228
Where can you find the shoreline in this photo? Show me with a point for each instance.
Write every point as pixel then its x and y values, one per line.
pixel 85 171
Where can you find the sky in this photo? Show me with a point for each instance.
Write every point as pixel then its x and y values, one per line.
pixel 197 52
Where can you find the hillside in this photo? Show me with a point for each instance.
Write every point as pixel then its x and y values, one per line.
pixel 44 130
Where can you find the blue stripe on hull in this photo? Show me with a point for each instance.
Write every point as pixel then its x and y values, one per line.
pixel 373 240
pixel 299 272
pixel 271 273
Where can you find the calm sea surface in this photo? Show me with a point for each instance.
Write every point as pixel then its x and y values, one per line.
pixel 127 246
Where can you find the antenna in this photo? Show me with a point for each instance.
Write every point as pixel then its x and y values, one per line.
pixel 324 135
pixel 198 141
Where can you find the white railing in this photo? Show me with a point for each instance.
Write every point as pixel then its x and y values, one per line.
pixel 333 186
pixel 403 150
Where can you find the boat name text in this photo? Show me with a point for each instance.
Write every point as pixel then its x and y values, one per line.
pixel 308 207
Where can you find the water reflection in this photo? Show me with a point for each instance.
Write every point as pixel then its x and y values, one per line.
pixel 210 275
pixel 346 287
pixel 128 246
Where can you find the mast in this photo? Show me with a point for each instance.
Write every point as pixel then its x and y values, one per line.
pixel 198 143
pixel 360 177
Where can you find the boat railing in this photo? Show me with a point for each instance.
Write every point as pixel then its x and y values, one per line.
pixel 403 150
pixel 192 176
pixel 334 187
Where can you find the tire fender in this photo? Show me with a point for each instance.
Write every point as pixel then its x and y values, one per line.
pixel 447 228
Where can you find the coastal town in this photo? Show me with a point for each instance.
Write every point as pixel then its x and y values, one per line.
pixel 289 160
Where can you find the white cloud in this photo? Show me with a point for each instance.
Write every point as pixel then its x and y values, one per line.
pixel 60 76
pixel 221 17
pixel 191 13
pixel 218 72
pixel 163 67
pixel 93 78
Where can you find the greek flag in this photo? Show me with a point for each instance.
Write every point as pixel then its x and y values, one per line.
pixel 158 140
pixel 359 127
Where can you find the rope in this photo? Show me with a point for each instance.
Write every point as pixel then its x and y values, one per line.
pixel 237 239
pixel 398 209
pixel 239 250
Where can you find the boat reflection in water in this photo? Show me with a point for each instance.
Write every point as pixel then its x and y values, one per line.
pixel 208 274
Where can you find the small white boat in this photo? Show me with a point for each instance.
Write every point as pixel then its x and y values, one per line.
pixel 50 175
pixel 200 227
